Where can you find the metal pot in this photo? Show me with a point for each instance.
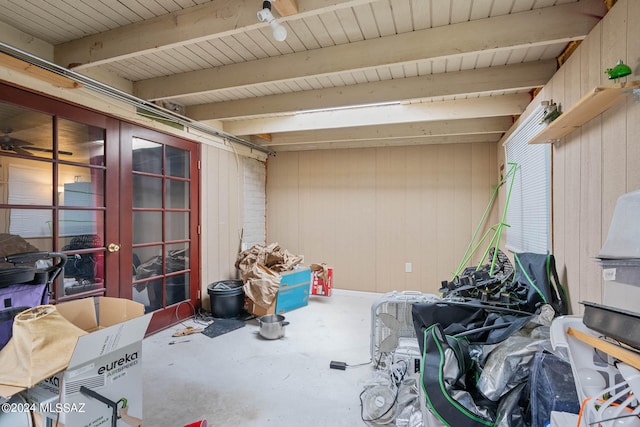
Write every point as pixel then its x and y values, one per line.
pixel 272 326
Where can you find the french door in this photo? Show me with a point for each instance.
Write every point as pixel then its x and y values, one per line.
pixel 159 176
pixel 119 200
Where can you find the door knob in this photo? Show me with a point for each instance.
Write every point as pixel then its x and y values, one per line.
pixel 113 247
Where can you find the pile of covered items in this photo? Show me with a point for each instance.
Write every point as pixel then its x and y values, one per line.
pixel 260 267
pixel 484 351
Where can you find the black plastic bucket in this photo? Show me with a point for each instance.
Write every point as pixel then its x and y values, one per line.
pixel 227 298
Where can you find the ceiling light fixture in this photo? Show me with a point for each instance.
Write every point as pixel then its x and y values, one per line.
pixel 279 32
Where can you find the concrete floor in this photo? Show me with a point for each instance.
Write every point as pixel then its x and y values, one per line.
pixel 239 379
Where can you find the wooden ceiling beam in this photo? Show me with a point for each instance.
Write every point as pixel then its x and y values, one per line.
pixel 265 136
pixel 390 142
pixel 513 77
pixel 461 127
pixel 208 21
pixel 486 106
pixel 285 7
pixel 551 25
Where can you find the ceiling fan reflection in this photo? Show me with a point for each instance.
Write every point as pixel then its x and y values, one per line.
pixel 20 146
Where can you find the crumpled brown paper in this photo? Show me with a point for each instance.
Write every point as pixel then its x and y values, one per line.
pixel 322 269
pixel 271 256
pixel 261 285
pixel 260 267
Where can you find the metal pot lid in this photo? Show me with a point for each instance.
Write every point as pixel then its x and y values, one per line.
pixel 271 318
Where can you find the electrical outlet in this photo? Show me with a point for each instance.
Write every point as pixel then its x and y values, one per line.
pixel 408 267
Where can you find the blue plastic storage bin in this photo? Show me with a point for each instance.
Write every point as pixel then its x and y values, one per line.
pixel 294 290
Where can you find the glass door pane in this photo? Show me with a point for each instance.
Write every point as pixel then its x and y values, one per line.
pixel 52 187
pixel 82 206
pixel 161 223
pixel 26 180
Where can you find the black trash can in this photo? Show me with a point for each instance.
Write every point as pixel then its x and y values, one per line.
pixel 227 298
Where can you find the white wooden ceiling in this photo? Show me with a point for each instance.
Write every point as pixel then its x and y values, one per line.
pixel 392 72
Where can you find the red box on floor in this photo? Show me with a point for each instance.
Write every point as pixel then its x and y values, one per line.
pixel 320 285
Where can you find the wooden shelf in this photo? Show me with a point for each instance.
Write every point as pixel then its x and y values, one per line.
pixel 589 106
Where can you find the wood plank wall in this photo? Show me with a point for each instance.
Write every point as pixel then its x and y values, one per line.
pixel 367 212
pixel 222 206
pixel 597 163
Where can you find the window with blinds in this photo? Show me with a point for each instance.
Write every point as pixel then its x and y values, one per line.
pixel 529 207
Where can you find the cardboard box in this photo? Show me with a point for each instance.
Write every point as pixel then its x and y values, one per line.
pixel 103 380
pixel 293 292
pixel 321 286
pixel 258 310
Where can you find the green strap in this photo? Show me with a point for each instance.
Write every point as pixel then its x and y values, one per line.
pixel 512 172
pixel 469 252
pixel 463 411
pixel 515 256
pixel 497 229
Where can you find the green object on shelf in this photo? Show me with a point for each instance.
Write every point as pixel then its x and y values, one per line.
pixel 620 70
pixel 551 112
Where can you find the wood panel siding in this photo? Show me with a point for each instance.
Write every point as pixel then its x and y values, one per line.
pixel 368 212
pixel 222 220
pixel 597 163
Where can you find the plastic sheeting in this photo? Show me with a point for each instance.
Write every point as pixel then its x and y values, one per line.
pixel 508 365
pixel 477 362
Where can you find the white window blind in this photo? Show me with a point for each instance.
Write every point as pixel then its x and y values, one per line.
pixel 29 185
pixel 529 208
